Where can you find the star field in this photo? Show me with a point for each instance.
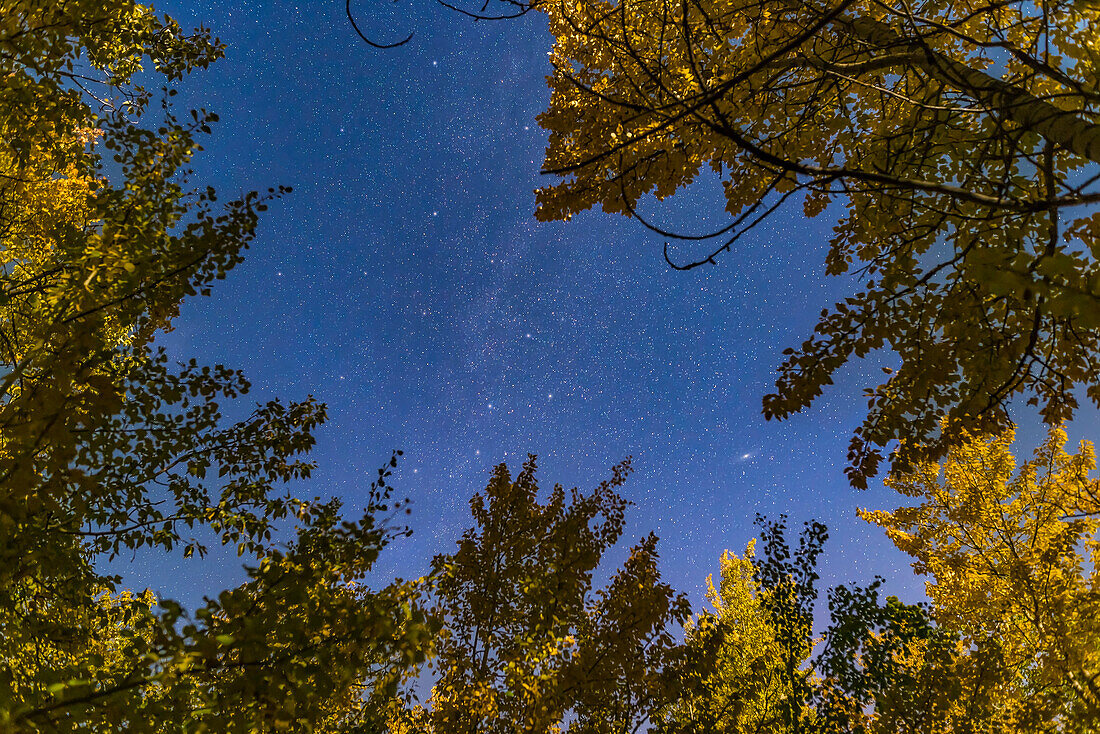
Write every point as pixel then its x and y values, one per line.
pixel 406 283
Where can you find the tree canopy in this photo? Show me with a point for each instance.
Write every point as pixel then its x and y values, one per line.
pixel 1011 552
pixel 958 141
pixel 1006 642
pixel 107 447
pixel 526 644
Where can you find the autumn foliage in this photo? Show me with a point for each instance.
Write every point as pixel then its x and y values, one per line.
pixel 958 137
pixel 1011 555
pixel 957 141
pixel 1007 642
pixel 107 448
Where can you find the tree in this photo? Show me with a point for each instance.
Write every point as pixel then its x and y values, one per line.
pixel 961 138
pixel 752 665
pixel 737 683
pixel 106 447
pixel 880 665
pixel 1011 555
pixel 889 667
pixel 526 645
pixel 1008 641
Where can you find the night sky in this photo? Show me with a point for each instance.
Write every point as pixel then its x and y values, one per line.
pixel 406 283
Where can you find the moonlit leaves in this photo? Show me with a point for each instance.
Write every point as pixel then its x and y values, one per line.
pixel 956 170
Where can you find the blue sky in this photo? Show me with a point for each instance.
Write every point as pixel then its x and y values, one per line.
pixel 406 283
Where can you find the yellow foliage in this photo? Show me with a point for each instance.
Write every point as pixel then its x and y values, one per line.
pixel 106 448
pixel 1011 554
pixel 742 685
pixel 956 140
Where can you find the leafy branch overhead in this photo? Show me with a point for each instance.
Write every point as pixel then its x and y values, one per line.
pixel 959 143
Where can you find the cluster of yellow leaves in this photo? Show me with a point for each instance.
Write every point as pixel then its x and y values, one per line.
pixel 741 686
pixel 1011 554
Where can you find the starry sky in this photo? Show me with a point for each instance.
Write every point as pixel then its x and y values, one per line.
pixel 406 283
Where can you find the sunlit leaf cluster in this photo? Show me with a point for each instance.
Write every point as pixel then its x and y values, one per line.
pixel 1011 554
